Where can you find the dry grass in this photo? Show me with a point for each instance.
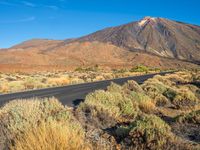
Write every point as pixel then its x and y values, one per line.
pixel 51 135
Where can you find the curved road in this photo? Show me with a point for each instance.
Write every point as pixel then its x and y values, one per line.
pixel 72 95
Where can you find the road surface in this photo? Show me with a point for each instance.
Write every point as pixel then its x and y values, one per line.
pixel 72 95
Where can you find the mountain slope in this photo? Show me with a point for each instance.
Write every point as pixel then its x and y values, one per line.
pixel 158 36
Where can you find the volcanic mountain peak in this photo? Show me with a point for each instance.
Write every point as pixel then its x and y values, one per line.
pixel 145 20
pixel 158 36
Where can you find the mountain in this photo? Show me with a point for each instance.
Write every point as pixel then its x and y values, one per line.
pixel 158 36
pixel 37 43
pixel 154 42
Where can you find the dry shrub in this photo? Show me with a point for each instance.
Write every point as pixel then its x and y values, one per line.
pixel 32 83
pixel 132 85
pixel 170 93
pixel 196 76
pixel 180 77
pixel 161 100
pixel 145 103
pixel 192 117
pixel 113 87
pixel 29 83
pixel 185 98
pixel 15 86
pixel 148 132
pixel 76 81
pixel 50 136
pixel 112 104
pixel 21 115
pixel 58 81
pixel 164 79
pixel 4 88
pixel 153 87
pixel 191 88
pixel 182 97
pixel 175 78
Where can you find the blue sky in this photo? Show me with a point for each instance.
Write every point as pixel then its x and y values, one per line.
pixel 22 20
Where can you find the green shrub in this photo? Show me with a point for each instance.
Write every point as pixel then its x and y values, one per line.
pixel 185 98
pixel 153 87
pixel 121 71
pixel 148 132
pixel 170 94
pixel 113 104
pixel 161 100
pixel 145 103
pixel 140 68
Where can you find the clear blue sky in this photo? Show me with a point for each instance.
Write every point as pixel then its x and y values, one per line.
pixel 21 20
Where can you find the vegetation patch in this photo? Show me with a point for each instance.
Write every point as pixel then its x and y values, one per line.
pixel 192 117
pixel 112 104
pixel 145 103
pixel 154 115
pixel 147 132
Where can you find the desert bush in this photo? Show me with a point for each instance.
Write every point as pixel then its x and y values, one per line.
pixel 192 117
pixel 58 81
pixel 161 100
pixel 191 89
pixel 76 81
pixel 170 93
pixel 29 83
pixel 113 104
pixel 140 68
pixel 163 79
pixel 153 87
pixel 185 98
pixel 182 97
pixel 132 85
pixel 51 135
pixel 20 115
pixel 196 76
pixel 145 103
pixel 113 87
pixel 120 71
pixel 4 88
pixel 148 132
pixel 180 77
pixel 15 86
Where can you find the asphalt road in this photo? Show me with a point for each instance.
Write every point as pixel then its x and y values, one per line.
pixel 72 95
